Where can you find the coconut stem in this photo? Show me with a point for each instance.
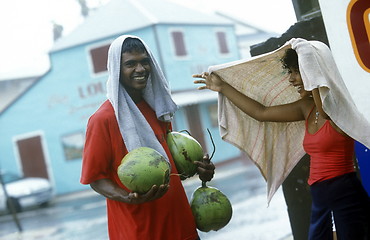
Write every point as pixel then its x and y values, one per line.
pixel 213 144
pixel 204 184
pixel 185 131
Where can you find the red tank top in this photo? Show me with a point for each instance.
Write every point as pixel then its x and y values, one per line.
pixel 331 153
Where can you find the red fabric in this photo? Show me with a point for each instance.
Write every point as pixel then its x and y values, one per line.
pixel 167 218
pixel 331 153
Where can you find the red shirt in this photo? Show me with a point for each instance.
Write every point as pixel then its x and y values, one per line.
pixel 167 218
pixel 331 153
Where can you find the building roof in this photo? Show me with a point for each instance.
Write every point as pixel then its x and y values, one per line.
pixel 12 89
pixel 242 28
pixel 121 16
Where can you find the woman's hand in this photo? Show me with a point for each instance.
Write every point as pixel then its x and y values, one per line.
pixel 205 169
pixel 211 81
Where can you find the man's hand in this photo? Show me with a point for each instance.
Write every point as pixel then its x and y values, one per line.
pixel 206 169
pixel 154 193
pixel 112 191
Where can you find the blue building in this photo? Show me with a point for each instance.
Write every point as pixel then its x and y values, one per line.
pixel 42 132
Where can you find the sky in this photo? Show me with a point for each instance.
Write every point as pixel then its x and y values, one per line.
pixel 26 26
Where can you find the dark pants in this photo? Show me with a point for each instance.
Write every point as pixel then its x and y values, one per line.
pixel 298 199
pixel 350 204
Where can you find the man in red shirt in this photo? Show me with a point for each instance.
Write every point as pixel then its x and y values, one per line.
pixel 137 113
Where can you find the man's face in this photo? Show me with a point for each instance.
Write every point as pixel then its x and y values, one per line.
pixel 135 71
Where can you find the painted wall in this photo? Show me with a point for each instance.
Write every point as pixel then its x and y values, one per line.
pixel 224 150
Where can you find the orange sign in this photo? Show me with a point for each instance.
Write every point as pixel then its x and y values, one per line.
pixel 359 29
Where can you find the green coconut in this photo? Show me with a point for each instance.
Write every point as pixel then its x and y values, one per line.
pixel 185 150
pixel 212 210
pixel 142 168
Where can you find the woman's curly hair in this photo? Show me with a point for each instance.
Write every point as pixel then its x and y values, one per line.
pixel 290 59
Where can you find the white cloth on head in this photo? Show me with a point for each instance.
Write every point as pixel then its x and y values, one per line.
pixel 318 70
pixel 276 148
pixel 135 130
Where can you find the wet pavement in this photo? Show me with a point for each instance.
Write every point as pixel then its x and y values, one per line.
pixel 82 215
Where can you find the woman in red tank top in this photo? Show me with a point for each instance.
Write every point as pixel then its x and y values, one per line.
pixel 335 189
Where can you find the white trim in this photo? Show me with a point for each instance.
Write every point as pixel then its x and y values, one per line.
pixel 194 97
pixel 45 151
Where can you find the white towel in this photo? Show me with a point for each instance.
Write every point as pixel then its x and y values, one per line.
pixel 135 130
pixel 276 148
pixel 318 70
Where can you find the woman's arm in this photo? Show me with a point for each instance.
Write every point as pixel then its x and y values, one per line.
pixel 282 113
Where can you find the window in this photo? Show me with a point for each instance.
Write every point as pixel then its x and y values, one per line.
pixel 73 145
pixel 179 43
pixel 99 57
pixel 222 43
